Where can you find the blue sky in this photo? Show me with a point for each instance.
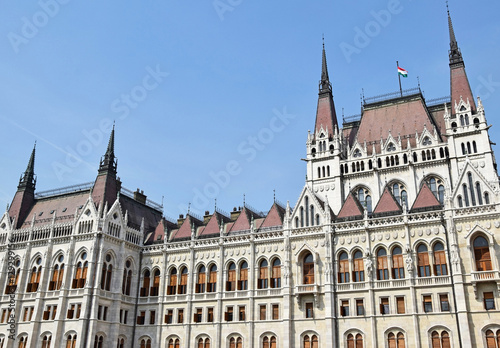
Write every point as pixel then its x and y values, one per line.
pixel 192 84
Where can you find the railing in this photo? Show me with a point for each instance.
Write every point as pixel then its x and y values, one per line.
pixel 353 118
pixel 63 190
pixel 307 288
pixel 438 101
pixel 485 275
pixel 149 203
pixel 392 95
pixel 439 280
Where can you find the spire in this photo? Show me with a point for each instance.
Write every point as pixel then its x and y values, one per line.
pixel 326 117
pixel 324 85
pixel 28 179
pixel 108 162
pixel 459 83
pixel 455 54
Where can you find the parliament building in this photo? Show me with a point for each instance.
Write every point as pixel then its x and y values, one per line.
pixel 393 242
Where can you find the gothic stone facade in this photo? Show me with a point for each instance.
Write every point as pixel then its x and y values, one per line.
pixel 393 242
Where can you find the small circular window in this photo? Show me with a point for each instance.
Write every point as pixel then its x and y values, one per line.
pixel 84 256
pixel 18 263
pixel 108 258
pixel 39 261
pixel 61 258
pixel 127 264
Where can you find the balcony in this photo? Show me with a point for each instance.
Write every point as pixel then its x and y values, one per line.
pixel 430 281
pixel 351 286
pixel 485 276
pixel 306 289
pixel 268 292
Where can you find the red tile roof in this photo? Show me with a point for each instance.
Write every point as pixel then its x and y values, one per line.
pixel 274 216
pixel 184 232
pixel 325 114
pixel 425 200
pixel 400 117
pixel 351 209
pixel 387 204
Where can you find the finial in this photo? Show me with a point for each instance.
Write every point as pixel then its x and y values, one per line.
pixel 274 196
pixel 243 200
pixel 447 8
pixel 189 207
pixel 323 37
pixel 162 201
pixel 418 80
pixel 215 204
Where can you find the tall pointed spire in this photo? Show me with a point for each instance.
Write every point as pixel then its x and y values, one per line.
pixel 28 179
pixel 108 162
pixel 326 117
pixel 459 83
pixel 324 85
pixel 455 54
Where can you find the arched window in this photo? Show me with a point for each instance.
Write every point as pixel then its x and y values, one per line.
pixel 423 155
pixel 318 221
pixel 323 171
pixel 232 343
pixel 395 192
pixel 46 341
pixel 424 269
pixel 328 170
pixel 462 123
pixel 155 289
pixel 359 341
pixel 401 340
pixel 13 278
pixel 398 270
pixel 379 163
pixel 172 285
pixel 202 278
pixel 460 202
pixel 482 254
pixel 98 341
pixel 343 268
pixel 120 343
pixel 441 194
pixel 301 216
pixel 106 273
pixel 36 272
pixel 306 205
pixel 312 214
pixel 415 158
pixel 463 148
pixel 466 195
pixel 145 343
pixel 382 268
pixel 81 272
pixel 23 341
pixel 440 268
pixel 350 341
pixel 276 274
pixel 212 279
pixel 71 341
pixel 468 148
pixel 265 342
pixel 474 146
pixel 308 269
pixel 127 278
pixel 297 222
pixel 231 277
pixel 445 340
pixel 184 281
pixel 310 341
pixel 57 274
pixel 486 198
pixel 479 193
pixel 441 152
pixel 243 282
pixel 471 188
pixel 319 172
pixel 358 272
pixel 490 339
pixel 262 281
pixel 370 164
pixel 146 282
pixel 365 199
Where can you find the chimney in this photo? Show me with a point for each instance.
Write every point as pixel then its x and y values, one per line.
pixel 235 213
pixel 207 217
pixel 139 196
pixel 180 220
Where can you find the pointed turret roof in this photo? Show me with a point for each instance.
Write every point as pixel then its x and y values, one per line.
pixel 351 209
pixel 387 205
pixel 325 113
pixel 459 83
pixel 108 162
pixel 425 200
pixel 28 179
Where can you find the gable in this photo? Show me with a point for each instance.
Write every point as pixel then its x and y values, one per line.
pixel 387 205
pixel 351 209
pixel 426 200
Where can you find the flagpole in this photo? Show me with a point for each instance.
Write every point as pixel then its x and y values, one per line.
pixel 399 78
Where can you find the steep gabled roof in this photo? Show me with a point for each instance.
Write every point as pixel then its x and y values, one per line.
pixel 274 216
pixel 184 232
pixel 213 226
pixel 244 219
pixel 425 200
pixel 351 209
pixel 387 205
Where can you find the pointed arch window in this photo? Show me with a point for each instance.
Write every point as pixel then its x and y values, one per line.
pixel 46 341
pixel 479 193
pixel 398 270
pixel 36 272
pixel 98 341
pixel 424 269
pixel 172 285
pixel 71 341
pixel 311 208
pixel 13 278
pixel 146 282
pixel 343 268
pixel 243 282
pixel 440 267
pixel 301 216
pixel 182 290
pixel 308 269
pixel 155 289
pixel 204 343
pixel 127 278
pixel 382 267
pixel 358 273
pixel 307 204
pixel 200 283
pixel 482 254
pixel 276 274
pixel 466 196
pixel 262 282
pixel 471 187
pixel 23 341
pixel 212 279
pixel 486 198
pixel 231 277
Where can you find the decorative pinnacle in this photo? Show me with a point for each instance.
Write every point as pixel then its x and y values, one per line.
pixel 455 54
pixel 28 177
pixel 324 85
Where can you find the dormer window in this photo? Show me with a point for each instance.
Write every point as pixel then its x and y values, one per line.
pixel 391 147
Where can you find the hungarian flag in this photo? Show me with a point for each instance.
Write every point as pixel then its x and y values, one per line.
pixel 402 72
